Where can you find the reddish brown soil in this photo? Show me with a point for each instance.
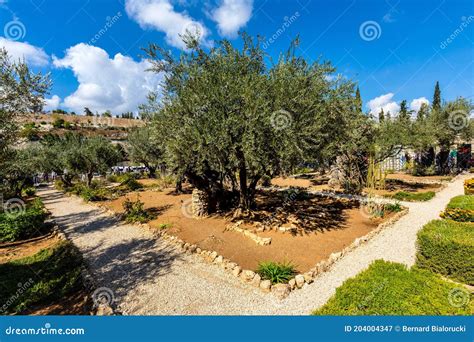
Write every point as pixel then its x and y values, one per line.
pixel 393 186
pixel 405 176
pixel 337 226
pixel 312 182
pixel 78 303
pixel 26 249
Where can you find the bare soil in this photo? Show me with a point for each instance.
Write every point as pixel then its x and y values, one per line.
pixel 25 249
pixel 78 303
pixel 331 226
pixel 393 186
pixel 408 177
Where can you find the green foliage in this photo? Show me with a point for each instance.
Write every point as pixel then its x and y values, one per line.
pixel 134 212
pixel 414 196
pixel 24 224
pixel 52 274
pixel 58 122
pixel 130 182
pixel 30 191
pixel 460 208
pixel 163 226
pixel 276 272
pixel 30 132
pixel 387 288
pixel 447 247
pixel 146 147
pixel 229 115
pixel 393 207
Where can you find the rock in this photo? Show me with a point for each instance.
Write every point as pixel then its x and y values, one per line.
pixel 219 259
pixel 198 250
pixel 212 256
pixel 256 280
pixel 192 248
pixel 281 291
pixel 266 285
pixel 104 310
pixel 299 281
pixel 265 241
pixel 236 271
pixel 230 266
pixel 186 246
pixel 292 283
pixel 308 277
pixel 248 275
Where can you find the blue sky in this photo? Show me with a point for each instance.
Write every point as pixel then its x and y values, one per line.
pixel 393 49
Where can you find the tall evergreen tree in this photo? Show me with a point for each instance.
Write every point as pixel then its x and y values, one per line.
pixel 358 101
pixel 381 116
pixel 404 114
pixel 437 98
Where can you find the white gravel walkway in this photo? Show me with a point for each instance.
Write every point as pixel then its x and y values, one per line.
pixel 148 276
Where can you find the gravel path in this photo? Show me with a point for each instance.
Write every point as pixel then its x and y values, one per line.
pixel 148 276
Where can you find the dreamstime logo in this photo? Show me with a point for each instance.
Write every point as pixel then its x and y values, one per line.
pixel 187 208
pixel 99 121
pixel 370 30
pixel 12 207
pixel 103 296
pixel 287 22
pixel 458 297
pixel 21 289
pixel 458 120
pixel 281 119
pixel 109 22
pixel 194 29
pixel 14 30
pixel 465 21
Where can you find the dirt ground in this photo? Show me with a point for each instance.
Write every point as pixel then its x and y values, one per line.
pixel 26 249
pixel 408 177
pixel 313 183
pixel 333 228
pixel 395 185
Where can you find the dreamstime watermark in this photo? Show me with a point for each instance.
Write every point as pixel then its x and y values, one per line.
pixel 103 121
pixel 14 30
pixel 464 24
pixel 287 22
pixel 194 29
pixel 370 30
pixel 459 119
pixel 367 300
pixel 103 296
pixel 109 22
pixel 12 207
pixel 187 208
pixel 46 330
pixel 21 288
pixel 281 119
pixel 459 297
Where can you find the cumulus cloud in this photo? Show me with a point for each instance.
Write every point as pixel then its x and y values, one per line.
pixel 232 15
pixel 118 84
pixel 416 103
pixel 52 103
pixel 383 102
pixel 19 50
pixel 162 16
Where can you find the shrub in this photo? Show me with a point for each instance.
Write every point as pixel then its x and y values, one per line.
pixel 30 191
pixel 130 182
pixel 94 195
pixel 165 226
pixel 23 225
pixel 112 178
pixel 276 272
pixel 387 288
pixel 134 211
pixel 393 207
pixel 469 186
pixel 49 275
pixel 414 196
pixel 460 208
pixel 447 247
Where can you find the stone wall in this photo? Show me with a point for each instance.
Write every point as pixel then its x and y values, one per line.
pixel 200 203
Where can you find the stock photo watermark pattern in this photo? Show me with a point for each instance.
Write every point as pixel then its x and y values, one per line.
pixel 370 30
pixel 14 30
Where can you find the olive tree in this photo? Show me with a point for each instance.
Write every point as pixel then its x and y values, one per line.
pixel 144 146
pixel 228 117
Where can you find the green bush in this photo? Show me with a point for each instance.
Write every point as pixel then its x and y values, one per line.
pixel 276 272
pixel 23 225
pixel 469 186
pixel 49 275
pixel 134 212
pixel 460 208
pixel 447 247
pixel 30 191
pixel 414 196
pixel 387 288
pixel 130 182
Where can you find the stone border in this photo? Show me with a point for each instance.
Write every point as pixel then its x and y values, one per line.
pixel 250 277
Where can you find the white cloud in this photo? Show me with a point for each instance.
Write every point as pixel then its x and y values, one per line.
pixel 19 50
pixel 385 102
pixel 161 15
pixel 118 84
pixel 52 103
pixel 416 103
pixel 232 15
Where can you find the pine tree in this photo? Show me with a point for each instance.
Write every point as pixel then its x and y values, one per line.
pixel 381 116
pixel 358 101
pixel 423 112
pixel 437 98
pixel 404 114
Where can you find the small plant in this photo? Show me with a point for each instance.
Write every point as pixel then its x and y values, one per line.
pixel 130 182
pixel 414 197
pixel 469 186
pixel 30 191
pixel 393 207
pixel 163 226
pixel 135 212
pixel 276 272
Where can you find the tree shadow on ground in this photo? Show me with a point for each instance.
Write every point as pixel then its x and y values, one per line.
pixel 400 185
pixel 312 213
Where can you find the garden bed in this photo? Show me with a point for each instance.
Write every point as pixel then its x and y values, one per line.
pixel 387 288
pixel 330 225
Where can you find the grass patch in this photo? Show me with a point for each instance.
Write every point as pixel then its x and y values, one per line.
pixel 465 202
pixel 447 247
pixel 387 288
pixel 414 196
pixel 163 226
pixel 49 275
pixel 276 272
pixel 460 208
